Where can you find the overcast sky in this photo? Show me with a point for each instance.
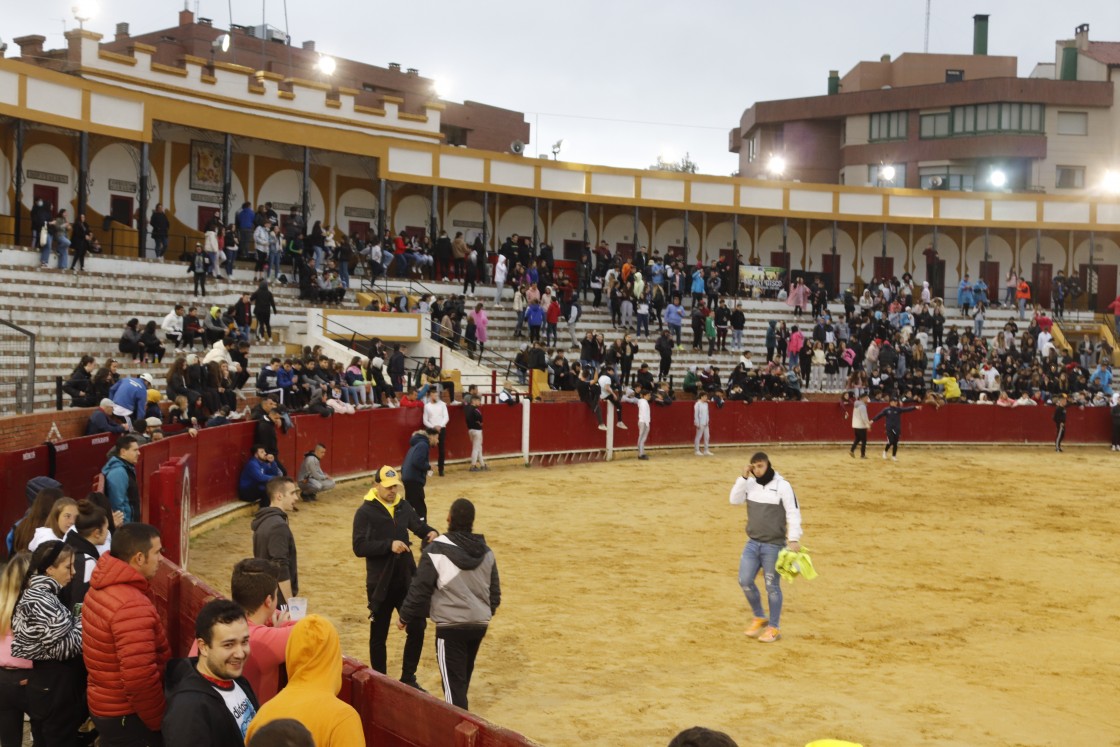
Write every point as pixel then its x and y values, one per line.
pixel 620 81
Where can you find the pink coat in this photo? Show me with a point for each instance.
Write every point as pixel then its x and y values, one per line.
pixel 796 342
pixel 798 295
pixel 480 322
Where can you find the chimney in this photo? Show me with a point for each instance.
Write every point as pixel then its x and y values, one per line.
pixel 309 46
pixel 413 72
pixel 186 18
pixel 980 34
pixel 1081 34
pixel 833 82
pixel 122 32
pixel 886 58
pixel 395 66
pixel 30 46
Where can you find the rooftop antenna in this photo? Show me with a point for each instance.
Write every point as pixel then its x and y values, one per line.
pixel 925 48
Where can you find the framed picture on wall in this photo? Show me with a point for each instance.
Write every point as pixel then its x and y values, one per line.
pixel 207 167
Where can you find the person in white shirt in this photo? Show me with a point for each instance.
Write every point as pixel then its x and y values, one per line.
pixel 172 326
pixel 860 426
pixel 607 394
pixel 700 420
pixel 436 417
pixel 773 523
pixel 643 424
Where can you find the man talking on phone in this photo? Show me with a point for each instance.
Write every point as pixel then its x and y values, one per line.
pixel 381 527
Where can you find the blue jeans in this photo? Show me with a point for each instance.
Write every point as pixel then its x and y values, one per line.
pixel 273 263
pixel 344 273
pixel 737 340
pixel 1022 308
pixel 160 246
pixel 675 331
pixel 765 556
pixel 643 325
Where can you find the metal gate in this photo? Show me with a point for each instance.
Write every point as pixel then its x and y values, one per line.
pixel 17 369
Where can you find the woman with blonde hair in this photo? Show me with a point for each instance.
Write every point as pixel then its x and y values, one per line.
pixel 14 671
pixel 59 522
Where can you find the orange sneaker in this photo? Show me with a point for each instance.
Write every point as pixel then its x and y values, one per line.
pixel 770 635
pixel 756 627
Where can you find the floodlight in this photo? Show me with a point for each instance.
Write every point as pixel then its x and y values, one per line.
pixel 326 65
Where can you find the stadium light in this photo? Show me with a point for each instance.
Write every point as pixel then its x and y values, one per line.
pixel 326 64
pixel 998 179
pixel 1111 182
pixel 221 44
pixel 777 166
pixel 886 173
pixel 84 10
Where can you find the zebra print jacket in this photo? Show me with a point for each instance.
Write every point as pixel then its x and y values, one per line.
pixel 42 627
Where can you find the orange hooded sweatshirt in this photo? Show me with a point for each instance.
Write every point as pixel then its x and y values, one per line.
pixel 314 661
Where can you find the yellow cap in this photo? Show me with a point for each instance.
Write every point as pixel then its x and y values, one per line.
pixel 388 476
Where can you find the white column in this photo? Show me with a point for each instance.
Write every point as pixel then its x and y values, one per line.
pixel 525 421
pixel 610 430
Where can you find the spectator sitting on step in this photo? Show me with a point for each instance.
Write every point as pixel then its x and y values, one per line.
pixel 261 467
pixel 213 328
pixel 311 477
pixel 153 351
pixel 172 326
pixel 410 399
pixel 221 417
pixel 218 389
pixel 102 421
pixel 130 343
pixel 192 329
pixel 335 400
pixel 80 384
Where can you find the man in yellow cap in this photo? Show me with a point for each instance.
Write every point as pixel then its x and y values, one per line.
pixel 381 527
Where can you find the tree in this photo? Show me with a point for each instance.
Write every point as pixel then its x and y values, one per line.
pixel 684 166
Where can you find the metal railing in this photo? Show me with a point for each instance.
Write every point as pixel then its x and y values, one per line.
pixel 17 361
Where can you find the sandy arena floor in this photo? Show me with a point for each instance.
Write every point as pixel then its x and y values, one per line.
pixel 967 596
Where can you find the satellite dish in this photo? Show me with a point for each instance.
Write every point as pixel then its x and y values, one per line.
pixel 517 147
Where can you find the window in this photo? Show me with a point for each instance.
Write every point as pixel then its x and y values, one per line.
pixel 888 126
pixel 954 178
pixel 752 148
pixel 935 125
pixel 981 119
pixel 1070 177
pixel 954 76
pixel 1073 123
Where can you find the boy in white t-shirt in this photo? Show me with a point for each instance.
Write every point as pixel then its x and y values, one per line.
pixel 700 421
pixel 643 423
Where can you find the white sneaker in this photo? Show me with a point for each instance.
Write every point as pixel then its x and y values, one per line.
pixel 894 459
pixel 884 455
pixel 602 427
pixel 709 453
pixel 699 453
pixel 621 425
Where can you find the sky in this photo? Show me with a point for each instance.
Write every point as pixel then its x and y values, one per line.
pixel 619 81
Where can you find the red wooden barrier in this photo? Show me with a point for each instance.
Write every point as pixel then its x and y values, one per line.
pixel 169 508
pixel 16 468
pixel 79 459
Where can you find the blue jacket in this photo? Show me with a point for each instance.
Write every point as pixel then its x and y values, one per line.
pixel 246 218
pixel 534 315
pixel 256 474
pixel 964 293
pixel 698 282
pixel 674 314
pixel 284 378
pixel 1103 379
pixel 416 465
pixel 99 422
pixel 657 273
pixel 131 394
pixel 118 474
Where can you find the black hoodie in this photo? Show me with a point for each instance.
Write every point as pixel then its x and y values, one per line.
pixel 456 584
pixel 197 714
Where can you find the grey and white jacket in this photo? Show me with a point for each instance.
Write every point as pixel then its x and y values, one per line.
pixel 456 584
pixel 43 629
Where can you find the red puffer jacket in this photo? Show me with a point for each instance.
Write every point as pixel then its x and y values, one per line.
pixel 124 644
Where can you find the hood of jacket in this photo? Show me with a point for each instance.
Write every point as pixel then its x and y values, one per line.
pixel 418 437
pixel 116 462
pixel 314 655
pixel 112 571
pixel 35 484
pixel 266 514
pixel 467 550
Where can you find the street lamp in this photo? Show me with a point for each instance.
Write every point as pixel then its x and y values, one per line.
pixel 83 11
pixel 556 148
pixel 777 166
pixel 1111 182
pixel 998 179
